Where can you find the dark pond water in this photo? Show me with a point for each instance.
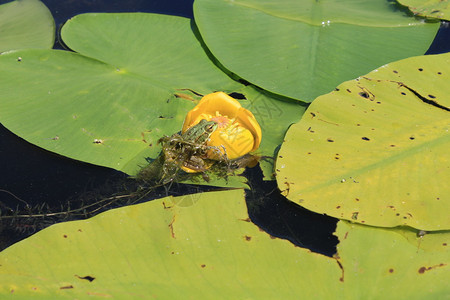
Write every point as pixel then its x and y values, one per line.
pixel 49 183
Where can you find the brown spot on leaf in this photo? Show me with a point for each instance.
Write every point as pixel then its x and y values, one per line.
pixel 184 96
pixel 172 232
pixel 420 69
pixel 348 90
pixel 166 207
pixel 424 269
pixel 330 140
pixel 431 96
pixel 143 137
pixel 341 279
pixel 248 238
pixel 365 138
pixel 203 265
pixel 65 236
pixel 66 287
pixel 391 270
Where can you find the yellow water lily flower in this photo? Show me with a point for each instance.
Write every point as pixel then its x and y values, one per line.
pixel 237 131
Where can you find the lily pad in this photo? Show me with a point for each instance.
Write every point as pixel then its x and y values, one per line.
pixel 132 80
pixel 204 246
pixel 375 151
pixel 439 9
pixel 303 49
pixel 26 24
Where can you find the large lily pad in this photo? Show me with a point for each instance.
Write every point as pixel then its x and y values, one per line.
pixel 439 9
pixel 303 49
pixel 110 102
pixel 375 151
pixel 26 24
pixel 204 246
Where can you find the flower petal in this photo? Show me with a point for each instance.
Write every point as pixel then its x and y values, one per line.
pixel 247 120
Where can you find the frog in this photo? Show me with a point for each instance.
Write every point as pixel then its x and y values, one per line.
pixel 187 151
pixel 199 133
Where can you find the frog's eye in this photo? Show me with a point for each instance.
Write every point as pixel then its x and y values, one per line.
pixel 210 128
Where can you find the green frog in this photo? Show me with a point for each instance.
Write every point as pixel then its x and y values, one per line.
pixel 187 151
pixel 200 133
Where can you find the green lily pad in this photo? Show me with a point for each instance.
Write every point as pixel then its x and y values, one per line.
pixel 427 241
pixel 375 151
pixel 204 246
pixel 130 82
pixel 26 24
pixel 439 9
pixel 382 262
pixel 303 49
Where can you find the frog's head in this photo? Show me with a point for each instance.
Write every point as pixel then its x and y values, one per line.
pixel 200 132
pixel 209 126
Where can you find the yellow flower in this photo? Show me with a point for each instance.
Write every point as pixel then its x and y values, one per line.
pixel 238 131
